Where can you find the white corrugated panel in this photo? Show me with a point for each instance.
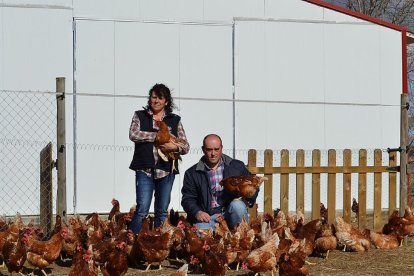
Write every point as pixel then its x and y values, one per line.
pixel 37 48
pixel 107 9
pixel 292 10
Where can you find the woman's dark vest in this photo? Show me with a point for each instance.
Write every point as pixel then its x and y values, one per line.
pixel 143 153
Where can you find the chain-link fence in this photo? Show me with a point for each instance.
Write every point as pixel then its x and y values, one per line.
pixel 28 124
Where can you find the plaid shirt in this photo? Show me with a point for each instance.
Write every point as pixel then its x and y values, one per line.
pixel 214 177
pixel 138 136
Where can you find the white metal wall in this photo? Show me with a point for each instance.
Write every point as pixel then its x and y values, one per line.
pixel 194 60
pixel 288 59
pixel 35 48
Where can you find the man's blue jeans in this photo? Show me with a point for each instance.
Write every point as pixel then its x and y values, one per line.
pixel 145 187
pixel 233 215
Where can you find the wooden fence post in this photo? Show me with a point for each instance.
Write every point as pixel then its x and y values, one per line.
pixel 316 185
pixel 362 190
pixel 61 147
pixel 46 188
pixel 268 193
pixel 331 187
pixel 251 162
pixel 300 182
pixel 347 162
pixel 392 179
pixel 403 154
pixel 377 191
pixel 284 182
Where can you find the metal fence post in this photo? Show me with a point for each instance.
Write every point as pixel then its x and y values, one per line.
pixel 61 147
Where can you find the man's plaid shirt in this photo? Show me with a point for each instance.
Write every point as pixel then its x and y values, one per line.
pixel 214 177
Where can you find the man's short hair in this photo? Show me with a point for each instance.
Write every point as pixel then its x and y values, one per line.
pixel 209 135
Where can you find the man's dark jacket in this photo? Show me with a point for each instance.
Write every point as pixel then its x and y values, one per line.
pixel 196 189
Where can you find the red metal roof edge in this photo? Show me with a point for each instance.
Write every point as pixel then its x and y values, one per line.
pixel 377 21
pixel 356 14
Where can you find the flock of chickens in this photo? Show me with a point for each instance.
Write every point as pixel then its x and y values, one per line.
pixel 267 243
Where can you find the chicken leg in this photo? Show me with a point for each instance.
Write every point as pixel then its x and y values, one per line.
pixel 327 253
pixel 309 263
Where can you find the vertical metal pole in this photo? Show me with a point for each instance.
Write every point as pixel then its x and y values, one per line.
pixel 61 147
pixel 74 123
pixel 403 154
pixel 234 90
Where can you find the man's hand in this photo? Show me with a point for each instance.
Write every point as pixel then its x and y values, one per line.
pixel 203 217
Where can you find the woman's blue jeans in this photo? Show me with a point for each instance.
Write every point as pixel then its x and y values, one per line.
pixel 233 214
pixel 145 187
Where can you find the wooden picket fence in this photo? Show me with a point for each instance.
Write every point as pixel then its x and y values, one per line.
pixel 331 169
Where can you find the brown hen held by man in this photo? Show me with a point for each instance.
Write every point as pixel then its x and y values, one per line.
pixel 242 186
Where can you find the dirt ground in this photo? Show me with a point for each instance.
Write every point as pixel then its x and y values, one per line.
pixel 374 262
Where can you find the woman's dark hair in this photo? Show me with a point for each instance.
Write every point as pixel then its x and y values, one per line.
pixel 162 91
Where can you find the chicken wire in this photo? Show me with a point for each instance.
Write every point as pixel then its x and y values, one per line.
pixel 28 124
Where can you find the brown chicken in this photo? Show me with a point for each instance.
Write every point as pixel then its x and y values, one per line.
pixel 164 136
pixel 101 250
pixel 292 221
pixel 351 237
pixel 58 225
pixel 116 263
pixel 308 232
pixel 77 235
pixel 193 245
pixel 280 223
pixel 214 260
pixel 182 271
pixel 263 258
pixel 400 226
pixel 323 212
pixel 284 245
pixel 383 241
pixel 12 232
pixel 115 209
pixel 14 252
pixel 178 236
pixel 407 221
pixel 393 224
pixel 3 224
pixel 221 228
pixel 245 242
pixel 95 228
pixel 292 264
pixel 154 245
pixel 42 253
pixel 326 240
pixel 82 263
pixel 117 220
pixel 242 186
pixel 355 208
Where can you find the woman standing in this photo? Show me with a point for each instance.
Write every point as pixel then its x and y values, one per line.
pixel 153 175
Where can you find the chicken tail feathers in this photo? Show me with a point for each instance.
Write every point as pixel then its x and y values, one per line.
pixel 162 155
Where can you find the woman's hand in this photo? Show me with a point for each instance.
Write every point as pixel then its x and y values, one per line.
pixel 169 147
